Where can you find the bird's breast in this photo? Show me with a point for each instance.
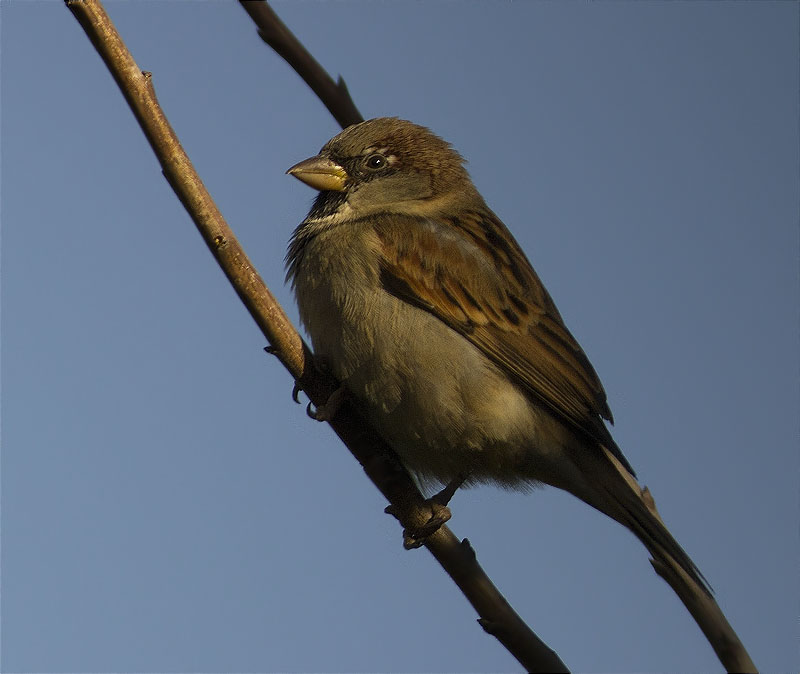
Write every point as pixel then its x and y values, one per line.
pixel 336 282
pixel 433 395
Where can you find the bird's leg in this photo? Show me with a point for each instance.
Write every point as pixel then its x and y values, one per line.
pixel 440 513
pixel 444 496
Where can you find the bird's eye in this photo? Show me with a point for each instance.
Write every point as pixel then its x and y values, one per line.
pixel 375 161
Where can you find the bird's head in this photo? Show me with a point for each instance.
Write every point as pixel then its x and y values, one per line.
pixel 386 164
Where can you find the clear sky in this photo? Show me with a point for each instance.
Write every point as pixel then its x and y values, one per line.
pixel 165 505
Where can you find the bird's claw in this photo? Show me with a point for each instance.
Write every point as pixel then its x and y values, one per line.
pixel 328 409
pixel 296 392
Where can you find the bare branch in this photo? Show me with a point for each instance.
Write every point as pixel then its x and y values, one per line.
pixel 377 459
pixel 334 95
pixel 706 612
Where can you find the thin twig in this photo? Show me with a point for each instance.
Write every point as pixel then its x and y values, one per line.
pixel 408 505
pixel 334 95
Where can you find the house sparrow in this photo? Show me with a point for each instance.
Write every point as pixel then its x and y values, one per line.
pixel 418 299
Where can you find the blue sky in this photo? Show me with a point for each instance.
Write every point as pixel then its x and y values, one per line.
pixel 166 507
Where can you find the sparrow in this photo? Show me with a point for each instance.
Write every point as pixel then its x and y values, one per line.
pixel 418 299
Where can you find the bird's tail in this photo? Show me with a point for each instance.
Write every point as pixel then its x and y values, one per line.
pixel 615 492
pixel 622 499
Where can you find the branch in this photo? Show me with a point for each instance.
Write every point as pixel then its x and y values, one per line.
pixel 334 95
pixel 407 504
pixel 706 612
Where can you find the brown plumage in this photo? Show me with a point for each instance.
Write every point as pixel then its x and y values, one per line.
pixel 420 301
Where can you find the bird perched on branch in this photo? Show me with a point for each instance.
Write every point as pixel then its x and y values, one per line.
pixel 420 302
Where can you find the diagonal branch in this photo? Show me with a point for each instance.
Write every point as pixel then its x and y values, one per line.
pixel 274 32
pixel 407 504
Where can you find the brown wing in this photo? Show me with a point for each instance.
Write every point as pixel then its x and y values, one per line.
pixel 485 288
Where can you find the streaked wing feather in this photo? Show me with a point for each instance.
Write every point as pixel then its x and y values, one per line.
pixel 483 286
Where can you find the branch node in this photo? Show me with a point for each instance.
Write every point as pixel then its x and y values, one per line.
pixel 489 626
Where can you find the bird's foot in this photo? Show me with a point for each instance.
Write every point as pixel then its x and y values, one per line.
pixel 416 537
pixel 440 513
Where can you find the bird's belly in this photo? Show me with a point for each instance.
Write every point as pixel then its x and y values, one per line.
pixel 432 395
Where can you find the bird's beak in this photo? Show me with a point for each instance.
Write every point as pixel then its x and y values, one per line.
pixel 320 173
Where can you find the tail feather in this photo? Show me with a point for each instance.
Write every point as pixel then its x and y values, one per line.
pixel 634 507
pixel 603 482
pixel 641 517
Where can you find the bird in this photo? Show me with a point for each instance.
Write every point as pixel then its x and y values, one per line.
pixel 420 302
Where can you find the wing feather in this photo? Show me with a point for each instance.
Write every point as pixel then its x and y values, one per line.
pixel 470 273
